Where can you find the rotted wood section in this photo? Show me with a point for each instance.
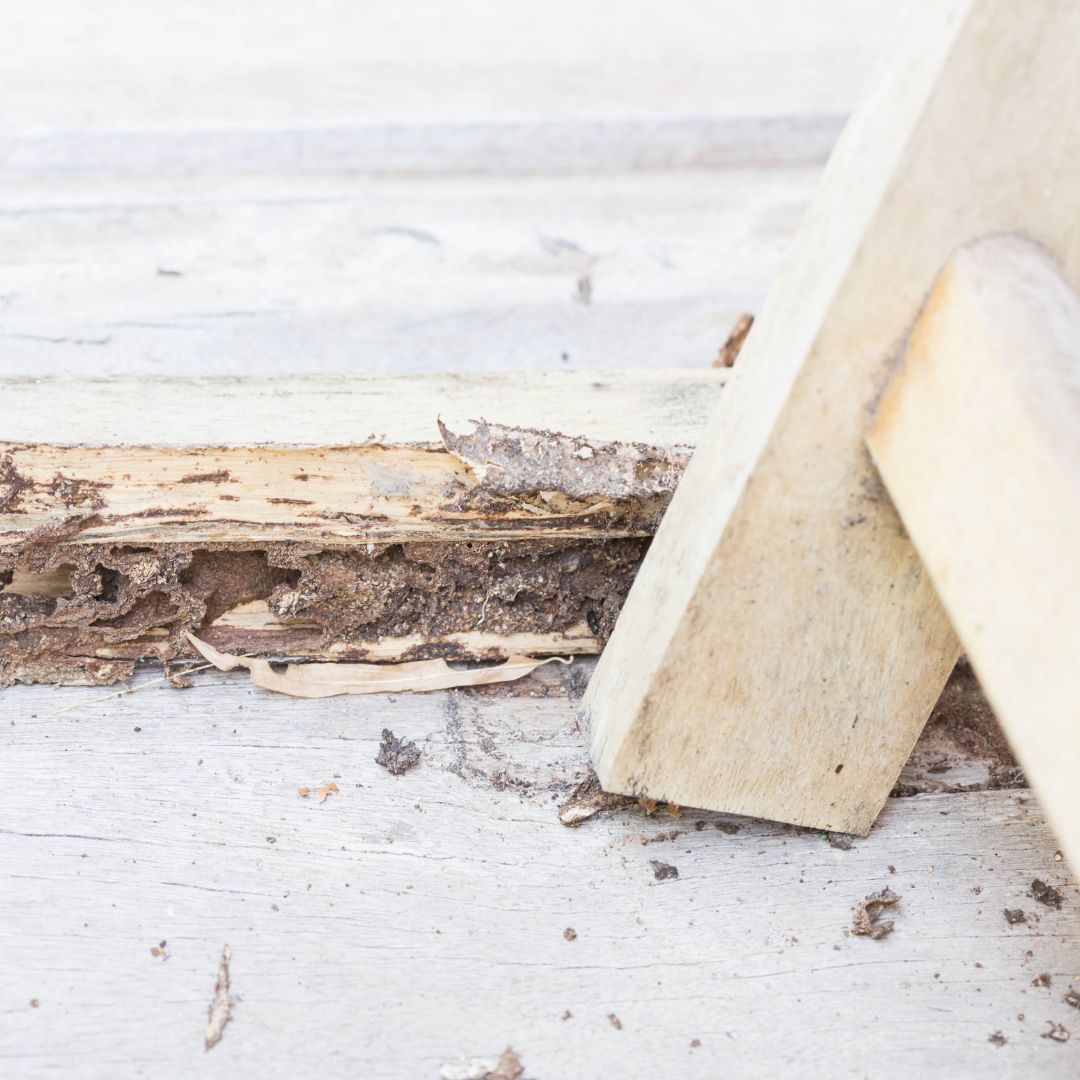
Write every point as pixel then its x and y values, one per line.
pixel 383 518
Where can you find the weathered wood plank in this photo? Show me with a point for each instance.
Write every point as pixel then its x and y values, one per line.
pixel 978 441
pixel 783 645
pixel 175 817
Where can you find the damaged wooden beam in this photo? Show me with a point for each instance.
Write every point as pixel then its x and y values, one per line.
pixel 360 518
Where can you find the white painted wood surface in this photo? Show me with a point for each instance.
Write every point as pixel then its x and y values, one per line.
pixel 413 921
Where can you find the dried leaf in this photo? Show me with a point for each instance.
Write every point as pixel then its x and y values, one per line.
pixel 329 680
pixel 221 1007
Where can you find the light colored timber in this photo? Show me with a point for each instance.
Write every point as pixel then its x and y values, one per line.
pixel 323 459
pixel 783 644
pixel 978 441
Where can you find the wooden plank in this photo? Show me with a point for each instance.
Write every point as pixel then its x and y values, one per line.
pixel 978 441
pixel 783 645
pixel 346 460
pixel 152 71
pixel 275 274
pixel 353 923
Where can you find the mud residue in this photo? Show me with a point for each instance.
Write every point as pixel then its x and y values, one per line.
pixel 523 461
pixel 127 603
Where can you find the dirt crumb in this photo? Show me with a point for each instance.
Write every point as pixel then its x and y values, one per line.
pixel 589 799
pixel 663 871
pixel 1072 998
pixel 615 1022
pixel 840 840
pixel 396 755
pixel 1041 980
pixel 865 920
pixel 570 934
pixel 728 828
pixel 1046 894
pixel 1056 1032
pixel 997 1039
pixel 1014 916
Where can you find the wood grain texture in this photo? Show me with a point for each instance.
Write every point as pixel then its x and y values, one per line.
pixel 332 459
pixel 978 441
pixel 413 921
pixel 783 644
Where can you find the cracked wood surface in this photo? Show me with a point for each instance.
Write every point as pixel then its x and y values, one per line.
pixel 408 922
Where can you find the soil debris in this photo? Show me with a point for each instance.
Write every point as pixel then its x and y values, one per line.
pixel 1014 916
pixel 589 799
pixel 840 840
pixel 1041 980
pixel 159 951
pixel 395 755
pixel 570 934
pixel 1056 1032
pixel 663 871
pixel 220 1011
pixel 615 1022
pixel 865 920
pixel 1072 998
pixel 1046 894
pixel 997 1039
pixel 731 348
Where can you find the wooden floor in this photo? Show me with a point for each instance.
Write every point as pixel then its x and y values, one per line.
pixel 345 187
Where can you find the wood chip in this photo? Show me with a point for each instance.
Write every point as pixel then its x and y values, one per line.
pixel 731 348
pixel 330 680
pixel 220 1011
pixel 865 921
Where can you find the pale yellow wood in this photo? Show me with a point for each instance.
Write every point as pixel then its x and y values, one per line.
pixel 343 459
pixel 978 441
pixel 783 645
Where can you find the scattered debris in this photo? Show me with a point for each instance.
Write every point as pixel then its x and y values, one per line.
pixel 589 799
pixel 1057 1032
pixel 660 838
pixel 1072 998
pixel 508 1067
pixel 220 1011
pixel 864 922
pixel 840 840
pixel 326 791
pixel 303 792
pixel 570 934
pixel 395 755
pixel 331 679
pixel 663 871
pixel 695 1043
pixel 1046 894
pixel 159 950
pixel 1041 980
pixel 1014 916
pixel 997 1039
pixel 177 679
pixel 729 828
pixel 34 1003
pixel 566 1015
pixel 616 1023
pixel 731 348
